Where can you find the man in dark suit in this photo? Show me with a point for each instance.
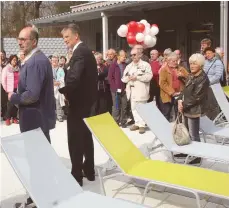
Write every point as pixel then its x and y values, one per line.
pixel 81 92
pixel 35 96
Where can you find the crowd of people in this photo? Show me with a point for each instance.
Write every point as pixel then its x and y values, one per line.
pixel 159 76
pixel 36 90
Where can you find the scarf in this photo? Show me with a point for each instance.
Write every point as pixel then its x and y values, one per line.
pixel 14 69
pixel 175 81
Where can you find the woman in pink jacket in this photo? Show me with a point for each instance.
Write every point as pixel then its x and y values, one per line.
pixel 10 78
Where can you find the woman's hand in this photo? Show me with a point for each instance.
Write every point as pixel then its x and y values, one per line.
pixel 180 106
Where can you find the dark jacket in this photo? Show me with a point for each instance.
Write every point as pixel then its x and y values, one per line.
pixel 81 80
pixel 102 75
pixel 195 95
pixel 35 95
pixel 114 77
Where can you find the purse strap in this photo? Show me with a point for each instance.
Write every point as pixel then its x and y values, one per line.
pixel 178 116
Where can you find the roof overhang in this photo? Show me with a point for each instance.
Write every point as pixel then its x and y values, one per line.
pixel 90 11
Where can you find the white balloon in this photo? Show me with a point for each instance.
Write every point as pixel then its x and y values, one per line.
pixel 124 29
pixel 146 31
pixel 120 33
pixel 154 30
pixel 149 41
pixel 152 44
pixel 148 25
pixel 155 38
pixel 140 37
pixel 144 22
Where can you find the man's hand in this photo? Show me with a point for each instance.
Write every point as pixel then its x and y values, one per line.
pixel 180 106
pixel 9 95
pixel 176 94
pixel 132 78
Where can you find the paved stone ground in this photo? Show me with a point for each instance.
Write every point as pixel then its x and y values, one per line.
pixel 12 190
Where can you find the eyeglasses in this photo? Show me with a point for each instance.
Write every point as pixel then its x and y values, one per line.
pixel 22 39
pixel 133 54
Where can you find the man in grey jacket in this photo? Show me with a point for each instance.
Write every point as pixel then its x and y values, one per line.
pixel 35 96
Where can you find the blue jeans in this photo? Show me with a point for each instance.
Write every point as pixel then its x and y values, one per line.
pixel 193 126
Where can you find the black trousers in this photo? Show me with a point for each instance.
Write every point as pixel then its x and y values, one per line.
pixel 29 119
pixel 154 91
pixel 101 105
pixel 4 100
pixel 166 108
pixel 80 142
pixel 11 111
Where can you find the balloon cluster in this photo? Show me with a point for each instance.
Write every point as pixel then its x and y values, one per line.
pixel 139 33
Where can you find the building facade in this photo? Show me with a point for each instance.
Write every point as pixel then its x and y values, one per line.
pixel 182 24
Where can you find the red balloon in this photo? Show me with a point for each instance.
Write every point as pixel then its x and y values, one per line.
pixel 140 27
pixel 132 26
pixel 131 39
pixel 131 34
pixel 155 25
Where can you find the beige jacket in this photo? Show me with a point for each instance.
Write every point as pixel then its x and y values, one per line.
pixel 138 90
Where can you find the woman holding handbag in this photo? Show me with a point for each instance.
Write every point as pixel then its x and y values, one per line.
pixel 192 101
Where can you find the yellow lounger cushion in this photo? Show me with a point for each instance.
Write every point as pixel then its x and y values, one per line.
pixel 226 90
pixel 130 159
pixel 184 176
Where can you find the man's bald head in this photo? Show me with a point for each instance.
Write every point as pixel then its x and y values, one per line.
pixel 28 39
pixel 135 55
pixel 139 48
pixel 154 55
pixel 178 52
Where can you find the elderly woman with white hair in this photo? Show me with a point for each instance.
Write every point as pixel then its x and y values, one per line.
pixel 192 100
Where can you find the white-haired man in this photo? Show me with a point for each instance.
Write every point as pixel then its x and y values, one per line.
pixel 154 84
pixel 140 49
pixel 137 75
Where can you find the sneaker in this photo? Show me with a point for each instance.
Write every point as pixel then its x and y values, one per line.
pixel 181 155
pixel 134 128
pixel 142 130
pixel 7 122
pixel 195 161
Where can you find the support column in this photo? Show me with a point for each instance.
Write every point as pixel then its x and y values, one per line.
pixel 221 24
pixel 225 34
pixel 105 33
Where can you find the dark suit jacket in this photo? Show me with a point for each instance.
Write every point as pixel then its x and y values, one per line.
pixel 81 80
pixel 35 95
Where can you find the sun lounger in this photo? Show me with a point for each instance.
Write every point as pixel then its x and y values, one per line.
pixel 209 128
pixel 46 179
pixel 133 163
pixel 226 90
pixel 221 99
pixel 162 129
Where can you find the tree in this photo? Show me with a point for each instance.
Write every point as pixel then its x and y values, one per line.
pixel 37 5
pixel 16 13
